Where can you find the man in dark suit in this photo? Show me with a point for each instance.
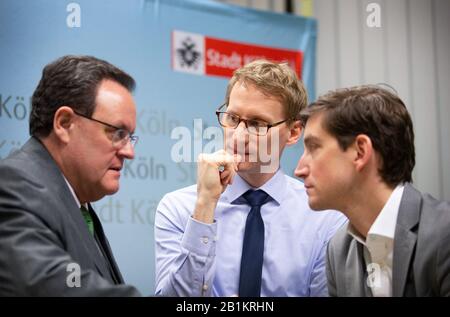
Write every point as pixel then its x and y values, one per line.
pixel 358 158
pixel 81 125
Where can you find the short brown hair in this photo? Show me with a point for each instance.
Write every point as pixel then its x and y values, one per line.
pixel 377 113
pixel 273 79
pixel 71 81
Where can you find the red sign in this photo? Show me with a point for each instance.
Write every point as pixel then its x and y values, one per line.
pixel 222 58
pixel 201 55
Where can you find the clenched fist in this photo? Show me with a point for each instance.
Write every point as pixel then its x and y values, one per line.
pixel 214 172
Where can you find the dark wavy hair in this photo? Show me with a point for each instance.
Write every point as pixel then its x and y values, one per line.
pixel 377 113
pixel 71 81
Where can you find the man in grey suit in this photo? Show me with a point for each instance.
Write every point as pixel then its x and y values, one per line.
pixel 358 158
pixel 81 125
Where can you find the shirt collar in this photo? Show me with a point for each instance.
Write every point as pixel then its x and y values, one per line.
pixel 74 195
pixel 385 223
pixel 355 234
pixel 275 187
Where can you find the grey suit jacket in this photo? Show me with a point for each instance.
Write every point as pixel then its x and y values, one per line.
pixel 421 259
pixel 42 233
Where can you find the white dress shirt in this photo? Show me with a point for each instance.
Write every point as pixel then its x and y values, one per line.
pixel 379 245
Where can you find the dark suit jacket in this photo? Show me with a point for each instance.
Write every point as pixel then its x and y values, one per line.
pixel 42 231
pixel 421 259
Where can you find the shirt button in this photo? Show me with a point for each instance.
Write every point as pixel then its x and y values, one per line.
pixel 205 240
pixel 205 287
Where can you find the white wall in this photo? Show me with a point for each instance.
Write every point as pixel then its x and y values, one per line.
pixel 411 52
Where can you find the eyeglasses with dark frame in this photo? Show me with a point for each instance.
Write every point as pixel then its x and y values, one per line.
pixel 120 136
pixel 253 126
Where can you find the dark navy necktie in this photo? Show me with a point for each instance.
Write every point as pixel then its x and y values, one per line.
pixel 253 246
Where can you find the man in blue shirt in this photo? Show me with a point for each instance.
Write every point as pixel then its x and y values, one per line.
pixel 246 229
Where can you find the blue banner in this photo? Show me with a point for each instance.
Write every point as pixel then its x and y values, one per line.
pixel 146 38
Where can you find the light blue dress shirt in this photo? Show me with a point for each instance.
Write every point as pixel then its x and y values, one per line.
pixel 197 259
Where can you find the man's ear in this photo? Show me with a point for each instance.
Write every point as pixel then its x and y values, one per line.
pixel 295 130
pixel 364 151
pixel 63 123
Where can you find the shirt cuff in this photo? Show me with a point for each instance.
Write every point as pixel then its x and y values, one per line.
pixel 200 238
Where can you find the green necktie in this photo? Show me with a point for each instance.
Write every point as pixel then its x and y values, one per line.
pixel 88 219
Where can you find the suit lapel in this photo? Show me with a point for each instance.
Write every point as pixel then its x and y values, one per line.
pixel 356 274
pixel 405 238
pixel 84 234
pixel 103 243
